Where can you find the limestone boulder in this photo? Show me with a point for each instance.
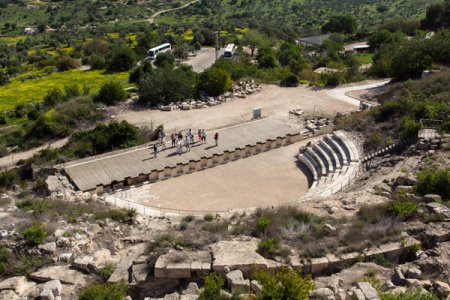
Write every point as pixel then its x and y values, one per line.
pixel 322 294
pixel 62 273
pixel 236 282
pixel 241 254
pixel 441 289
pixel 18 284
pixel 48 248
pixel 9 294
pixel 428 198
pixel 191 289
pixel 370 293
pixel 413 273
pixel 405 180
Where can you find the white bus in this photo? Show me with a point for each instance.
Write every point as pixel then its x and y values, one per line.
pixel 229 51
pixel 152 53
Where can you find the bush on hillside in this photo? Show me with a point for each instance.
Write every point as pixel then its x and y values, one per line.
pixel 211 289
pixel 434 181
pixel 121 58
pixel 103 138
pixel 111 93
pixel 65 63
pixel 104 291
pixel 284 284
pixel 35 234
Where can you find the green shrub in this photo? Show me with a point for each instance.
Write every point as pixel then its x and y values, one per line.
pixel 434 181
pixel 208 217
pixel 215 81
pixel 268 247
pixel 402 208
pixel 111 93
pixel 381 260
pixel 263 222
pixel 216 227
pixel 107 271
pixel 212 287
pixel 290 81
pixel 5 256
pixel 104 291
pixel 35 234
pixel 188 218
pixel 409 295
pixel 8 178
pixel 28 264
pixel 332 78
pixel 410 127
pixel 284 284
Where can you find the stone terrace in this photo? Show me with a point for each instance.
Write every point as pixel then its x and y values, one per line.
pixel 137 165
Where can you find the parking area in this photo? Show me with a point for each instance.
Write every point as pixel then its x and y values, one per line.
pixel 203 59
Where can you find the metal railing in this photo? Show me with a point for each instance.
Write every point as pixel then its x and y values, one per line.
pixel 332 188
pixel 156 211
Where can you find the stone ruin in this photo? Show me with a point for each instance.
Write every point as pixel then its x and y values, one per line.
pixel 240 89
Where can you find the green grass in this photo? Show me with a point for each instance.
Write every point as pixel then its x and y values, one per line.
pixel 35 90
pixel 364 58
pixel 12 40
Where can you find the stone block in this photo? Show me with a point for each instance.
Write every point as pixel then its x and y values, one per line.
pixel 371 252
pixel 140 272
pixel 392 251
pixel 178 270
pixel 55 286
pixel 368 290
pixel 318 265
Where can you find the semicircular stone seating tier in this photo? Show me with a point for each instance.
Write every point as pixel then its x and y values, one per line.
pixel 333 163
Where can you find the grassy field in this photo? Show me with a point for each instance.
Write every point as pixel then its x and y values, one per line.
pixel 34 90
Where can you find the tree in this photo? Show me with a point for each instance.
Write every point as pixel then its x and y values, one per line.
pixel 166 85
pixel 97 62
pixel 111 93
pixel 53 97
pixel 65 63
pixel 340 24
pixel 378 38
pixel 437 16
pixel 165 59
pixel 267 61
pixel 410 61
pixel 405 25
pixel 285 284
pixel 253 39
pixel 121 58
pixel 181 52
pixel 139 72
pixel 215 81
pixel 95 46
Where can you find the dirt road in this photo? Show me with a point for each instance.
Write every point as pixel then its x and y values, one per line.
pixel 11 160
pixel 152 17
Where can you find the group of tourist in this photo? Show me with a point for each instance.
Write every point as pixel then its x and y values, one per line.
pixel 179 141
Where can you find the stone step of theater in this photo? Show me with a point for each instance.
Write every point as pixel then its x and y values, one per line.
pixel 333 162
pixel 116 170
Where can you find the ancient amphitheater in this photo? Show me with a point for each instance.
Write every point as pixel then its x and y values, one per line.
pixel 256 164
